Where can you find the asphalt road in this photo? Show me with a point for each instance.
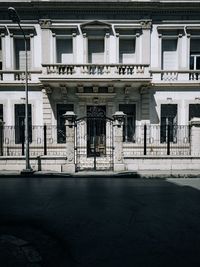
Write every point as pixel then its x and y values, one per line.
pixel 100 222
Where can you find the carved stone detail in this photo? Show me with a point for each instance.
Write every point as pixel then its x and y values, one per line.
pixel 47 90
pixel 146 24
pixel 80 89
pixel 95 89
pixel 45 23
pixel 63 91
pixel 110 89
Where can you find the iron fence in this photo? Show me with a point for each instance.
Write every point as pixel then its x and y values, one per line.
pixel 156 140
pixel 150 140
pixel 44 140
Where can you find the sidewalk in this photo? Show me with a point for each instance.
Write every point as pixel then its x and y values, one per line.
pixel 109 174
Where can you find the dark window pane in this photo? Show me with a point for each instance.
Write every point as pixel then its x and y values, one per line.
pixel 168 117
pixel 194 111
pixel 20 55
pixel 1 112
pixel 191 62
pixel 129 124
pixel 64 50
pixel 198 63
pixel 20 123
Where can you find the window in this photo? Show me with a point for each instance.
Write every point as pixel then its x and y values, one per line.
pixel 64 50
pixel 168 117
pixel 195 54
pixel 129 125
pixel 126 50
pixel 61 129
pixel 20 123
pixel 194 111
pixel 20 55
pixel 96 51
pixel 1 112
pixel 1 56
pixel 169 54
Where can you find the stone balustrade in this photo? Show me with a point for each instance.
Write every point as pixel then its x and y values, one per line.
pixel 96 70
pixel 175 75
pixel 18 75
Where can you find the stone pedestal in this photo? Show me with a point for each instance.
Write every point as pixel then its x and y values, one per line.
pixel 118 140
pixel 195 136
pixel 69 166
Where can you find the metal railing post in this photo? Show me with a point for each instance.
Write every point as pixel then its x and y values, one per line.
pixel 145 139
pixel 1 138
pixel 168 139
pixel 23 138
pixel 45 139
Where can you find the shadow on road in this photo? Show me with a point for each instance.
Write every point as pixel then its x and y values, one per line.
pixel 104 222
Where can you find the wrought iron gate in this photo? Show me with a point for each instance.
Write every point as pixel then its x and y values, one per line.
pixel 94 140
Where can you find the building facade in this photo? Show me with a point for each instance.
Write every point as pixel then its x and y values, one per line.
pixel 125 74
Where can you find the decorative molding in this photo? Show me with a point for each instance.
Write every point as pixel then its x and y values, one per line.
pixel 95 89
pixel 80 89
pixel 144 89
pixel 63 91
pixel 45 23
pixel 110 89
pixel 146 24
pixel 127 90
pixel 47 90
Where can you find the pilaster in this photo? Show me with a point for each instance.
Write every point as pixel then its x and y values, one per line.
pixel 118 140
pixel 47 114
pixel 69 166
pixel 195 136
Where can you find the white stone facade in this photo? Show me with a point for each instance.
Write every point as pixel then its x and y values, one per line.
pixel 139 57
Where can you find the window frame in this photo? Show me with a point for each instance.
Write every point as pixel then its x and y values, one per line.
pixel 127 37
pixel 96 38
pixel 63 37
pixel 173 125
pixel 29 53
pixel 20 123
pixel 129 133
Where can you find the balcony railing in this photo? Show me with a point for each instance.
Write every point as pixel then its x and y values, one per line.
pixel 78 71
pixel 175 75
pixel 17 75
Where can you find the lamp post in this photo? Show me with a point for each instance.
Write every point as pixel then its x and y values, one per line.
pixel 13 15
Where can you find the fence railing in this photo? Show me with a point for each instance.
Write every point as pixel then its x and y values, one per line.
pixel 156 140
pixel 44 140
pixel 150 140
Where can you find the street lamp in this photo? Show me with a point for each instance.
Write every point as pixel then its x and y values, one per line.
pixel 13 15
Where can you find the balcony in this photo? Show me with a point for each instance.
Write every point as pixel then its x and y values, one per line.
pixel 18 76
pixel 175 76
pixel 95 71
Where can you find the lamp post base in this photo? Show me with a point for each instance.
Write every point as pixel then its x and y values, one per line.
pixel 27 172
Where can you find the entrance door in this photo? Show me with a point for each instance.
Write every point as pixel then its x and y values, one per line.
pixel 96 131
pixel 94 140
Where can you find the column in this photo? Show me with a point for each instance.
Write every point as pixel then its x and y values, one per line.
pixel 118 140
pixel 195 136
pixel 146 41
pixel 45 25
pixel 70 118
